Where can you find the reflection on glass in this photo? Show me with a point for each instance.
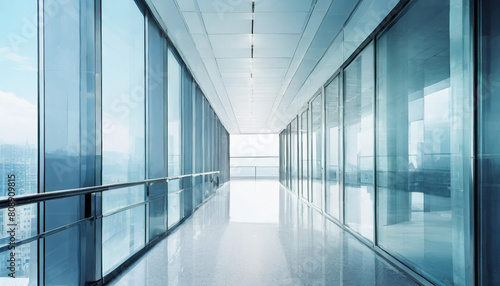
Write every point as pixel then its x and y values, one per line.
pixel 423 138
pixel 174 209
pixel 304 154
pixel 174 115
pixel 123 130
pixel 358 138
pixel 69 130
pixel 294 160
pixel 122 236
pixel 18 127
pixel 198 146
pixel 156 108
pixel 332 131
pixel 316 152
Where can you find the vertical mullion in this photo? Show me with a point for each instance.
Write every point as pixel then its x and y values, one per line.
pixel 41 143
pixel 146 123
pixel 165 127
pixel 97 271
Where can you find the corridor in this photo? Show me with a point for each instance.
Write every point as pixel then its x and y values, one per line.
pixel 254 232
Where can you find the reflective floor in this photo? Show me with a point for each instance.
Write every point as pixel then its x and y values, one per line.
pixel 253 232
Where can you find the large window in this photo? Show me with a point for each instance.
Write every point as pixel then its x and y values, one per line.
pixel 332 148
pixel 157 116
pixel 294 155
pixel 316 151
pixel 123 131
pixel 18 127
pixel 358 140
pixel 69 132
pixel 304 154
pixel 174 137
pixel 423 143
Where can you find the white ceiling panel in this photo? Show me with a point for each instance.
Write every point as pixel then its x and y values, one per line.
pixel 282 5
pixel 222 7
pixel 280 23
pixel 229 53
pixel 231 41
pixel 231 23
pixel 252 63
pixel 235 63
pixel 271 62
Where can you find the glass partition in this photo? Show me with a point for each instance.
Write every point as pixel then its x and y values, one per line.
pixel 157 116
pixel 304 154
pixel 174 137
pixel 423 143
pixel 316 151
pixel 123 131
pixel 332 148
pixel 19 130
pixel 359 143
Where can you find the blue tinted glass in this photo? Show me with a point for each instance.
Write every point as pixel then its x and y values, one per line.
pixel 332 132
pixel 19 125
pixel 174 115
pixel 304 154
pixel 122 236
pixel 123 102
pixel 156 108
pixel 423 142
pixel 316 152
pixel 359 140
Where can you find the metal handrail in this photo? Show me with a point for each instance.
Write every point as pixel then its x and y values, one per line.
pixel 54 195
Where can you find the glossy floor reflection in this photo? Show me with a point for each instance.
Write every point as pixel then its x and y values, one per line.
pixel 254 232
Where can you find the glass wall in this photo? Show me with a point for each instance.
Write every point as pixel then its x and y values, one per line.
pixel 358 144
pixel 69 129
pixel 423 143
pixel 19 129
pixel 316 151
pixel 332 148
pixel 404 140
pixel 157 108
pixel 174 138
pixel 89 108
pixel 304 154
pixel 294 158
pixel 123 133
pixel 187 140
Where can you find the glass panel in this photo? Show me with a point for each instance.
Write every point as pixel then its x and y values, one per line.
pixel 62 258
pixel 174 209
pixel 424 121
pixel 26 265
pixel 332 132
pixel 294 155
pixel 157 217
pixel 122 236
pixel 156 109
pixel 316 152
pixel 174 115
pixel 304 156
pixel 187 138
pixel 18 128
pixel 359 147
pixel 123 103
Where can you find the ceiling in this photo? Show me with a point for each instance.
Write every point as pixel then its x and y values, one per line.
pixel 251 58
